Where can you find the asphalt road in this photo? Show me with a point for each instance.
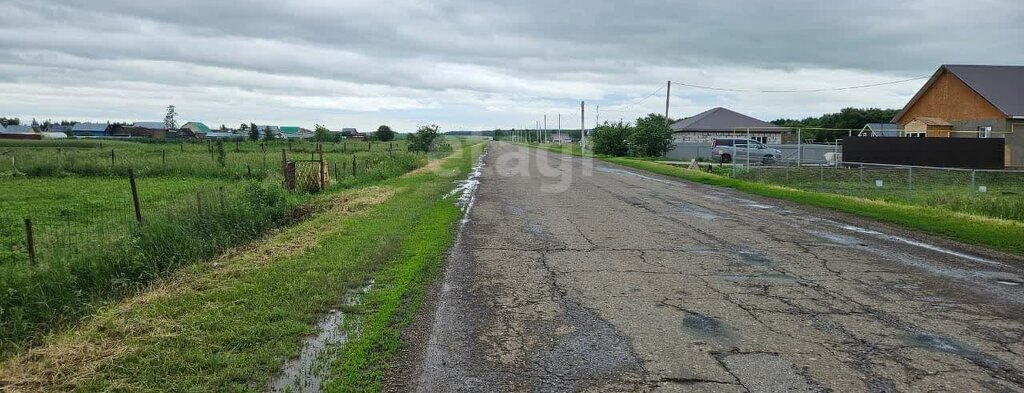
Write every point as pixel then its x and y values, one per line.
pixel 573 275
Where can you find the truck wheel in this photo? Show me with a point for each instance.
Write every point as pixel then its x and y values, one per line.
pixel 726 158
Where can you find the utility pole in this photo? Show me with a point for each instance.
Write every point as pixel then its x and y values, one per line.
pixel 559 128
pixel 545 135
pixel 597 116
pixel 668 93
pixel 583 127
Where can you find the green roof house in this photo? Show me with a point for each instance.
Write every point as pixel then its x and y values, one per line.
pixel 196 127
pixel 292 132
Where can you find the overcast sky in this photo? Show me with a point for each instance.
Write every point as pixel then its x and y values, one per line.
pixel 472 64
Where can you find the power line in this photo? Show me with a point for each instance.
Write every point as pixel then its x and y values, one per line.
pixel 802 90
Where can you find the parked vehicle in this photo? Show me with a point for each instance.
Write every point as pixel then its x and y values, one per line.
pixel 728 149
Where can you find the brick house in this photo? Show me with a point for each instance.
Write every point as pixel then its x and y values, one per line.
pixel 971 101
pixel 721 122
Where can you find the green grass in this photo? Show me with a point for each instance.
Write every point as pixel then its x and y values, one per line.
pixel 89 250
pixel 1003 235
pixel 230 327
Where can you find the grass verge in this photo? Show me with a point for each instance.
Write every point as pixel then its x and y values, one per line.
pixel 998 234
pixel 230 325
pixel 1002 235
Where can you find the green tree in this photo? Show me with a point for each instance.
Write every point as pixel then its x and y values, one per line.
pixel 611 138
pixel 385 134
pixel 268 133
pixel 651 137
pixel 254 132
pixel 322 134
pixel 424 138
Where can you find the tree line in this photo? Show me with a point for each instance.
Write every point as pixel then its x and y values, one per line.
pixel 846 119
pixel 649 136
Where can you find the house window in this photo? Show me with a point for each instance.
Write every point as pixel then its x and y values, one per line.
pixel 984 132
pixel 762 139
pixel 916 134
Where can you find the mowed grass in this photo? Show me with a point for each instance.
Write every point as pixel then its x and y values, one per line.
pixel 229 325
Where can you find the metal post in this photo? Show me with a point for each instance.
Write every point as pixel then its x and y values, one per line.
pixel 668 94
pixel 799 148
pixel 30 241
pixel 163 157
pixel 822 182
pixel 111 157
pixel 135 197
pixel 353 165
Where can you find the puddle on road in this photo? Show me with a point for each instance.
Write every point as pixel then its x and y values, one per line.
pixel 752 258
pixel 942 344
pixel 305 373
pixel 702 325
pixel 466 189
pixel 920 244
pixel 700 213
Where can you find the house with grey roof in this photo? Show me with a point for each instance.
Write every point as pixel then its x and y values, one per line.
pixel 150 125
pixel 722 122
pixel 971 101
pixel 18 129
pixel 90 130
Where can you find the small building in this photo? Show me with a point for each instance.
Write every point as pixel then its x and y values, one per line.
pixel 293 132
pixel 881 129
pixel 133 131
pixel 222 135
pixel 196 127
pixel 59 128
pixel 722 122
pixel 18 129
pixel 931 127
pixel 90 130
pixel 561 138
pixel 978 101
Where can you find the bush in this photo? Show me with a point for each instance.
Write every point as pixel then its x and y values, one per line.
pixel 612 139
pixel 424 138
pixel 651 137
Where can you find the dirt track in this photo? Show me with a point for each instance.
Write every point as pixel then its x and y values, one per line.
pixel 583 276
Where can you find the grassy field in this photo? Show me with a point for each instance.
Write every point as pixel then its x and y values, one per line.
pixel 89 249
pixel 229 325
pixel 936 216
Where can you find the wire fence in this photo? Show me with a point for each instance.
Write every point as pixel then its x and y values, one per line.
pixel 993 193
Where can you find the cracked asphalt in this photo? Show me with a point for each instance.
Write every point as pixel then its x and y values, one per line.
pixel 577 275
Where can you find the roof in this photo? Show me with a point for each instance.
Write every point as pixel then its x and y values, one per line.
pixel 196 125
pixel 881 129
pixel 217 135
pixel 933 121
pixel 90 127
pixel 18 129
pixel 58 128
pixel 153 125
pixel 721 119
pixel 1000 85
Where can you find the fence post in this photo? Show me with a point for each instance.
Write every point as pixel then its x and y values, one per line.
pixel 30 241
pixel 799 148
pixel 135 197
pixel 248 171
pixel 353 165
pixel 336 173
pixel 973 187
pixel 910 182
pixel 163 157
pixel 111 157
pixel 822 176
pixel 284 163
